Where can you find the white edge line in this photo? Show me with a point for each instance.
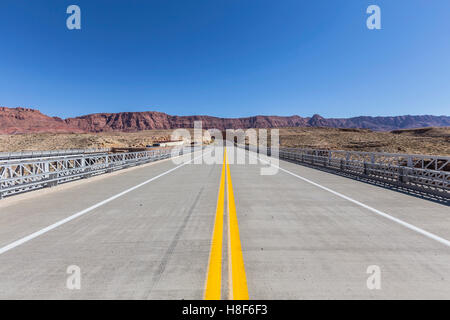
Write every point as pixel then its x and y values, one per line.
pixel 381 213
pixel 36 234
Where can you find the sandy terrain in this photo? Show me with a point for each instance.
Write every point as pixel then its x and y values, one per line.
pixel 424 141
pixel 419 141
pixel 55 141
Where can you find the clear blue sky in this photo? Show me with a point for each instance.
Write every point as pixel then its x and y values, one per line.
pixel 227 58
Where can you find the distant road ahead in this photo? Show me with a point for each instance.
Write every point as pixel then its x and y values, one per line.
pixel 147 233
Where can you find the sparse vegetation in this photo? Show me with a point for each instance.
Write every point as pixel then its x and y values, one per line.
pixel 420 141
pixel 434 141
pixel 54 141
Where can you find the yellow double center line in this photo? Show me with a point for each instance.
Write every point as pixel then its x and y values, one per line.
pixel 236 271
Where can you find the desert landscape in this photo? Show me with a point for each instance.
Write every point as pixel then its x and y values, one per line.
pixel 27 120
pixel 434 141
pixel 240 158
pixel 26 129
pixel 59 141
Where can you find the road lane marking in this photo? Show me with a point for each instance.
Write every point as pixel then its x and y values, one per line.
pixel 78 214
pixel 381 213
pixel 238 281
pixel 214 275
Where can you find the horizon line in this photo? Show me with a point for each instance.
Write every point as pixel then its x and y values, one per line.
pixel 221 117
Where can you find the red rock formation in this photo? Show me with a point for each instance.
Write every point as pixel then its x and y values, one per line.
pixel 135 121
pixel 25 120
pixel 21 120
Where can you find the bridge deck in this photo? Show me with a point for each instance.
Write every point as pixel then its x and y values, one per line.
pixel 153 242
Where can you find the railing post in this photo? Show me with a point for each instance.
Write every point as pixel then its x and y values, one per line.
pixel 87 172
pixel 347 159
pixel 46 168
pixel 403 174
pixel 52 176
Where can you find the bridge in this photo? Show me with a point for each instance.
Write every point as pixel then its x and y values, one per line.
pixel 160 225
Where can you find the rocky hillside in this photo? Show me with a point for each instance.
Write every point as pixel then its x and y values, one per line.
pixel 25 120
pixel 137 121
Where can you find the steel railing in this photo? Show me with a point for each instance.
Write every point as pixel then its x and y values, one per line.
pixel 17 176
pixel 424 173
pixel 4 156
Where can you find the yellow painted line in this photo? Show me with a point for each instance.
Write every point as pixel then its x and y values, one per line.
pixel 237 278
pixel 214 276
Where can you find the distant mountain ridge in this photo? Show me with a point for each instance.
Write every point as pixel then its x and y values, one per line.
pixel 26 120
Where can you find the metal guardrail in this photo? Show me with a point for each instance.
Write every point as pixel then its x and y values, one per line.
pixel 424 173
pixel 50 153
pixel 17 176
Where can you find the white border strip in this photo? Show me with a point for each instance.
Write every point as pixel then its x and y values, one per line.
pixel 78 214
pixel 381 213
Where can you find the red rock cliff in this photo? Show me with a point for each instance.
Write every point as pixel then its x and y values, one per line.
pixel 24 120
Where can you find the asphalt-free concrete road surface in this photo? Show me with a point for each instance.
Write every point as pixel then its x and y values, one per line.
pixel 147 233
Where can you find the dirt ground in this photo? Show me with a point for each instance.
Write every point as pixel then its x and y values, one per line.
pixel 435 141
pixel 59 141
pixel 420 141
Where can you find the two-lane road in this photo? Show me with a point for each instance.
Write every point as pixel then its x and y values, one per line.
pixel 147 233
